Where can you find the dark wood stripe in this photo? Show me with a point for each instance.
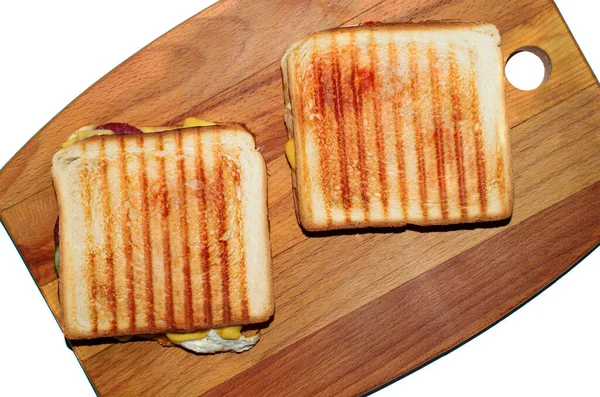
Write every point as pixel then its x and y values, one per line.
pixel 321 133
pixel 473 92
pixel 222 215
pixel 241 243
pixel 84 180
pixel 203 223
pixel 339 120
pixel 438 128
pixel 166 240
pixel 126 232
pixel 184 230
pixel 360 131
pixel 146 233
pixel 413 63
pixel 445 310
pixel 398 92
pixel 108 236
pixel 454 81
pixel 379 138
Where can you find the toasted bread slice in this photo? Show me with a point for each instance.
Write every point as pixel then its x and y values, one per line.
pixel 163 232
pixel 398 124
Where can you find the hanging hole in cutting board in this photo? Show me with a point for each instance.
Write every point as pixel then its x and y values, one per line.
pixel 528 68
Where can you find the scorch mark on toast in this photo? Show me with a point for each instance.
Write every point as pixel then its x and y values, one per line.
pixel 438 129
pixel 84 180
pixel 126 232
pixel 322 136
pixel 147 248
pixel 456 127
pixel 417 121
pixel 108 287
pixel 221 207
pixel 379 133
pixel 479 145
pixel 184 230
pixel 398 92
pixel 163 209
pixel 339 120
pixel 357 103
pixel 202 213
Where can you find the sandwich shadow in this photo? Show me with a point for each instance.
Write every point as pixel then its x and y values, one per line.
pixel 71 343
pixel 401 229
pixel 108 340
pixel 258 326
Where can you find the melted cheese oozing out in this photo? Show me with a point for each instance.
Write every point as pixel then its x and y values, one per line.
pixel 290 153
pixel 178 338
pixel 90 130
pixel 196 122
pixel 229 333
pixel 156 129
pixel 214 343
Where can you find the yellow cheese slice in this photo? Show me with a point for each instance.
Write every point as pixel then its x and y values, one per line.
pixel 88 130
pixel 230 333
pixel 290 153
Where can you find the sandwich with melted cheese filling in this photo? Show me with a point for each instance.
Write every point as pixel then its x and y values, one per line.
pixel 398 124
pixel 163 233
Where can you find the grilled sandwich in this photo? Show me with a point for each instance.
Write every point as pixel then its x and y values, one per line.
pixel 163 233
pixel 397 124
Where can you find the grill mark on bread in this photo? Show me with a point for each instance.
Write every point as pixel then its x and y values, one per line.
pixel 415 97
pixel 164 226
pixel 438 129
pixel 500 176
pixel 91 254
pixel 456 121
pixel 146 232
pixel 339 119
pixel 321 137
pixel 184 230
pixel 479 145
pixel 204 253
pixel 240 238
pixel 360 133
pixel 221 229
pixel 398 91
pixel 108 235
pixel 299 127
pixel 126 233
pixel 379 138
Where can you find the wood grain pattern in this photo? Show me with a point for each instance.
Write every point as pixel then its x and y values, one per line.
pixel 432 313
pixel 338 295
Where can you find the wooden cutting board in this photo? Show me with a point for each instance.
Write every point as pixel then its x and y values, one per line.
pixel 353 311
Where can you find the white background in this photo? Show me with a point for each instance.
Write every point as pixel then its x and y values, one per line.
pixel 50 51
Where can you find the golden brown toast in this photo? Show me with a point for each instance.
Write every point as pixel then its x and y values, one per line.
pixel 398 124
pixel 163 232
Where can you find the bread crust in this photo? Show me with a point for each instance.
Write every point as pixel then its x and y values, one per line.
pixel 269 306
pixel 450 25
